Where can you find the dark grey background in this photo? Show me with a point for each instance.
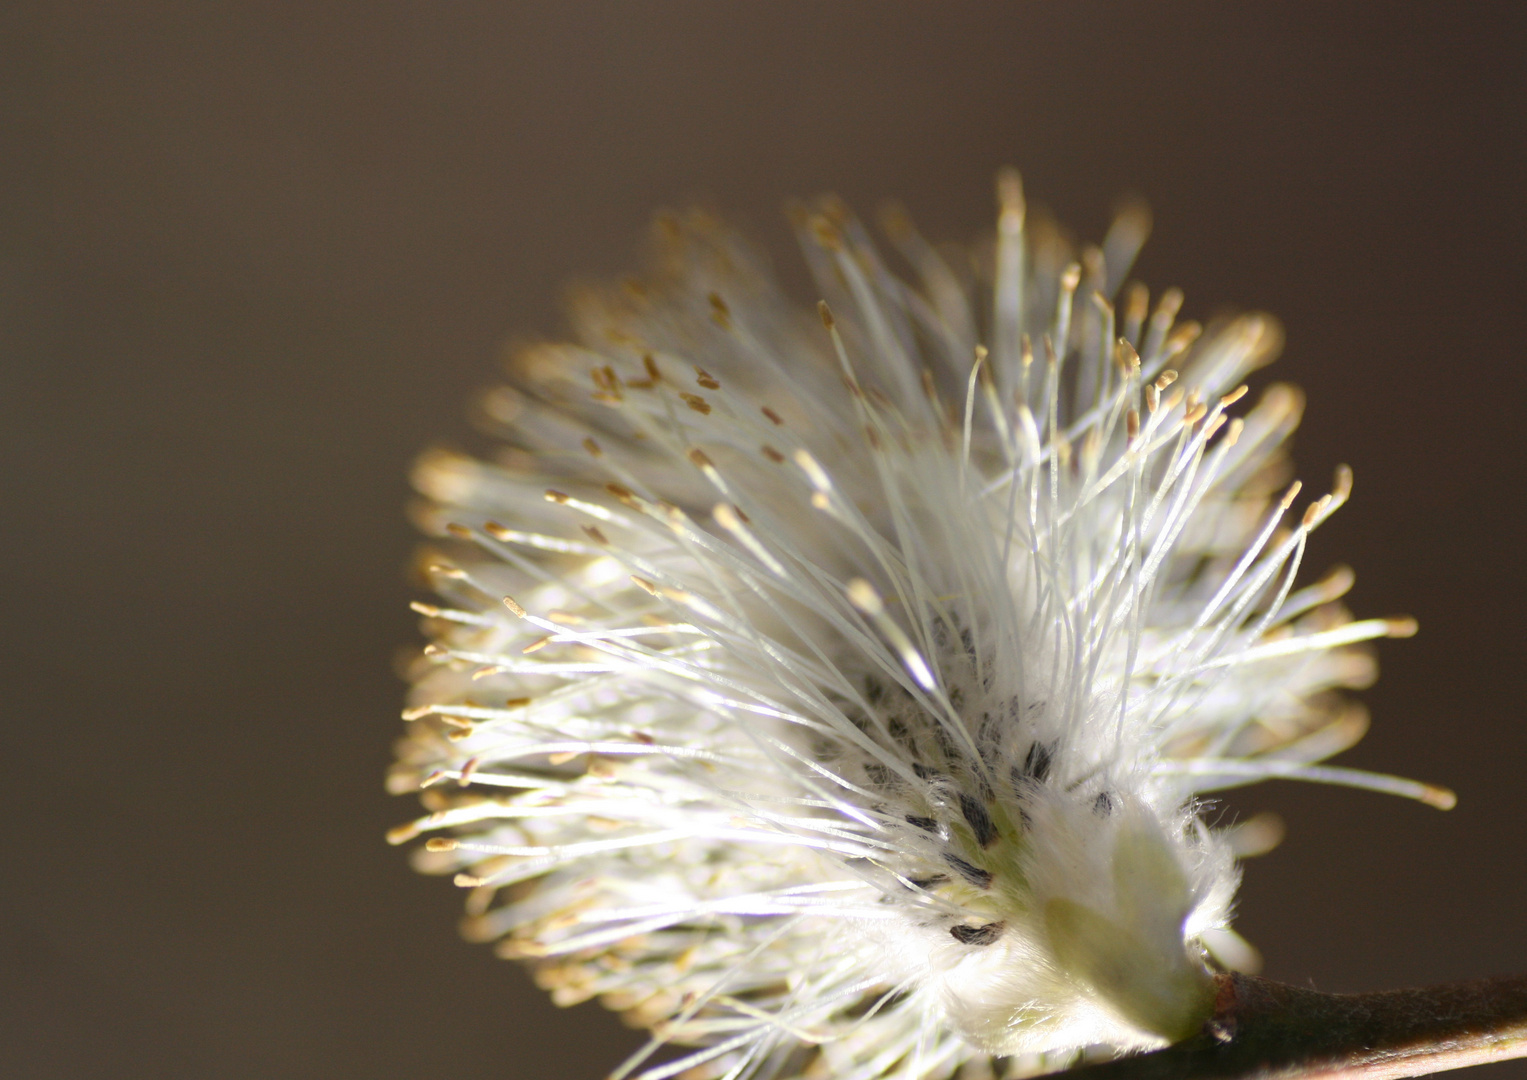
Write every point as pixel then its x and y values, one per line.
pixel 253 257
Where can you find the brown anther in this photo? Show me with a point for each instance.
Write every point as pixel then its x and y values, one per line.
pixel 650 364
pixel 467 769
pixel 1152 398
pixel 643 738
pixel 556 497
pixel 1402 626
pixel 537 645
pixel 872 437
pixel 460 532
pixel 1125 356
pixel 1342 488
pixel 455 573
pixel 1337 581
pixel 1182 337
pixel 427 610
pixel 1234 395
pixel 697 403
pixel 441 843
pixel 513 605
pixel 495 530
pixel 853 386
pixel 643 583
pixel 592 447
pixel 835 209
pixel 1132 424
pixel 1170 305
pixel 562 757
pixel 706 379
pixel 771 416
pixel 401 834
pixel 1137 299
pixel 720 314
pixel 1092 262
pixel 1010 195
pixel 825 314
pixel 620 492
pixel 594 534
pixel 1165 379
pixel 825 233
pixel 772 454
pixel 698 458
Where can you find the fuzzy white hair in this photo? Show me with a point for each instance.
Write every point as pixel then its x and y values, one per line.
pixel 835 696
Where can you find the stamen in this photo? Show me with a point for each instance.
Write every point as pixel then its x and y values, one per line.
pixel 867 600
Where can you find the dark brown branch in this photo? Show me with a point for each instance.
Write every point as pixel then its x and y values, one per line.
pixel 1266 1030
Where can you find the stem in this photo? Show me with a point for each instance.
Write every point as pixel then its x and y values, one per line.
pixel 1269 1031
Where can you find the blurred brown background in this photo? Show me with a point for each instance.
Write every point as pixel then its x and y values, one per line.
pixel 253 257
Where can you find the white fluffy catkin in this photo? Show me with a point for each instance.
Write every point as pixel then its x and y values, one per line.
pixel 832 692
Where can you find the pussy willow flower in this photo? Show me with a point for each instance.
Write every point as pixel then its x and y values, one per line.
pixel 835 692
